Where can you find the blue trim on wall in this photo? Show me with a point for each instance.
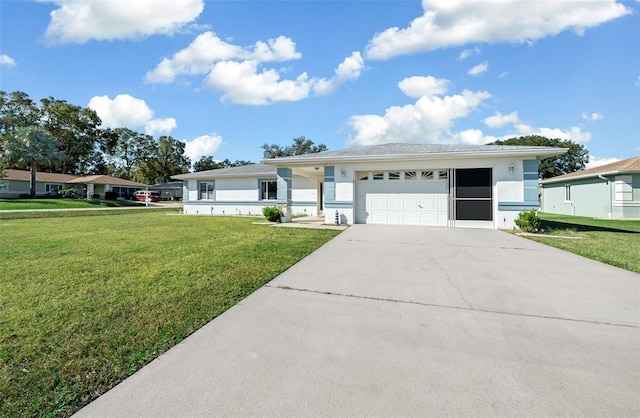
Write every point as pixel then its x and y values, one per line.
pixel 329 184
pixel 518 206
pixel 284 185
pixel 338 204
pixel 245 203
pixel 529 166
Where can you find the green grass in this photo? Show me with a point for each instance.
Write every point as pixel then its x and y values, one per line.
pixel 614 242
pixel 28 204
pixel 87 301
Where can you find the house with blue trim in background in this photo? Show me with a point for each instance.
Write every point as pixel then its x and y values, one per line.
pixel 401 184
pixel 608 191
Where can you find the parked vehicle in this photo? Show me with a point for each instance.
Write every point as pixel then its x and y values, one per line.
pixel 143 195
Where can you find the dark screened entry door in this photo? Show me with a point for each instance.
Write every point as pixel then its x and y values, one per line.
pixel 472 194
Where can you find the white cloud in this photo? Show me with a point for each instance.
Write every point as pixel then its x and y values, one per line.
pixel 241 83
pixel 499 120
pixel 160 126
pixel 472 137
pixel 595 116
pixel 574 133
pixel 202 146
pixel 479 69
pixel 349 69
pixel 418 86
pixel 597 161
pixel 80 21
pixel 503 74
pixel 207 49
pixel 7 61
pixel 469 52
pixel 125 111
pixel 447 23
pixel 427 120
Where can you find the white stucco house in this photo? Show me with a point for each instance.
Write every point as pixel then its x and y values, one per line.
pixel 411 184
pixel 607 191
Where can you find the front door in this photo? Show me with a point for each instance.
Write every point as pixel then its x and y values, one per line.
pixel 320 198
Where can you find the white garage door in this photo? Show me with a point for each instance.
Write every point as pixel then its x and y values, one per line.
pixel 402 199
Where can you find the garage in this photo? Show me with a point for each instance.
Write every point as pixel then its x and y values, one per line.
pixel 402 197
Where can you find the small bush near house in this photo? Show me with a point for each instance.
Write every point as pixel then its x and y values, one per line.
pixel 528 221
pixel 68 193
pixel 272 213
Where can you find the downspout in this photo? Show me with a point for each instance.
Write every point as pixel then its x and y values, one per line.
pixel 600 176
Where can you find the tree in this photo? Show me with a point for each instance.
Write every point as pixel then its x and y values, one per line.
pixel 78 130
pixel 300 146
pixel 208 163
pixel 34 146
pixel 17 110
pixel 167 160
pixel 127 150
pixel 575 159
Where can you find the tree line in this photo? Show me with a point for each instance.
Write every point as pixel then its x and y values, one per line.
pixel 60 137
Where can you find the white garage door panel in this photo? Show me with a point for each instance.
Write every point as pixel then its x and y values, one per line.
pixel 402 202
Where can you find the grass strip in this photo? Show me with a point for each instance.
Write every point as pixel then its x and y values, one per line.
pixel 31 204
pixel 87 301
pixel 610 241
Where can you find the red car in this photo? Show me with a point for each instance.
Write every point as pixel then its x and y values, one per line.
pixel 143 195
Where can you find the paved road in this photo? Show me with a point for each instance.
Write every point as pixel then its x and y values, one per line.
pixel 410 321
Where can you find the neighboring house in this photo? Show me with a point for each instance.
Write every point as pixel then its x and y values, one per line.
pixel 97 186
pixel 410 184
pixel 169 191
pixel 608 191
pixel 15 184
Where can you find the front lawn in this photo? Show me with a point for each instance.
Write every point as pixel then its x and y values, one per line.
pixel 611 241
pixel 32 204
pixel 87 301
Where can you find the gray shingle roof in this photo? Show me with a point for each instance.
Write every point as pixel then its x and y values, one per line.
pixel 243 170
pixel 400 149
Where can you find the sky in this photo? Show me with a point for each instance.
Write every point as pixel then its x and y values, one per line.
pixel 228 76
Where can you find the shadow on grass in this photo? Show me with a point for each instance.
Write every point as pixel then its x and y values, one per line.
pixel 556 225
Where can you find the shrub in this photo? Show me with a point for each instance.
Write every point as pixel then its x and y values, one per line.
pixel 70 193
pixel 272 213
pixel 528 221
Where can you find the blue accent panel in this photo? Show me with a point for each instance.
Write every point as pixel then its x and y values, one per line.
pixel 530 166
pixel 329 171
pixel 518 206
pixel 335 204
pixel 530 195
pixel 531 183
pixel 531 176
pixel 284 185
pixel 329 193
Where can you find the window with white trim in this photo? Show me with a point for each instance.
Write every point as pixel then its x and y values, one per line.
pixel 268 190
pixel 410 175
pixel 567 193
pixel 207 190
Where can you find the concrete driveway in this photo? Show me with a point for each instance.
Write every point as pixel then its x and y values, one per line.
pixel 410 321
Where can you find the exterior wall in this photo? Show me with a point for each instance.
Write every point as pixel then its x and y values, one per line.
pixel 626 202
pixel 13 189
pixel 240 196
pixel 590 197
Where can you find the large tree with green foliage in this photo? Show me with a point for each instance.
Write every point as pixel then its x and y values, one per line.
pixel 17 110
pixel 127 151
pixel 300 146
pixel 208 163
pixel 168 159
pixel 33 146
pixel 77 128
pixel 575 159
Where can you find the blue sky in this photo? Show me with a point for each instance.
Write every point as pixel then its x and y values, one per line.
pixel 229 76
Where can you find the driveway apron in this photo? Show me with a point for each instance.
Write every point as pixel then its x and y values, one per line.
pixel 410 321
